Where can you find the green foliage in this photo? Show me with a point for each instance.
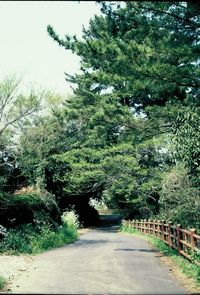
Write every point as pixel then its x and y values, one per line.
pixel 129 229
pixel 144 51
pixel 179 201
pixel 37 142
pixel 136 62
pixel 187 139
pixel 36 239
pixel 28 207
pixel 70 218
pixel 2 282
pixel 14 106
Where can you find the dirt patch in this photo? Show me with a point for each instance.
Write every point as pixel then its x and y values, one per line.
pixel 12 266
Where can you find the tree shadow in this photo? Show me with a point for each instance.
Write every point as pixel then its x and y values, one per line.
pixel 109 223
pixel 88 242
pixel 139 250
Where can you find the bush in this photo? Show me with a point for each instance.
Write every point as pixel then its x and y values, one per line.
pixel 34 239
pixel 28 207
pixel 2 282
pixel 179 200
pixel 70 218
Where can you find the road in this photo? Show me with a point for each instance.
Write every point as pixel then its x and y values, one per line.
pixel 102 261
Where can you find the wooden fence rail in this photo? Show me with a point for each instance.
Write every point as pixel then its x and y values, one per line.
pixel 187 242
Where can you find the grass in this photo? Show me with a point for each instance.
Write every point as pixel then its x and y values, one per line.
pixel 189 269
pixel 29 239
pixel 2 282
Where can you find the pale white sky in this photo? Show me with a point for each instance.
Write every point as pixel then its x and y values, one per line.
pixel 26 48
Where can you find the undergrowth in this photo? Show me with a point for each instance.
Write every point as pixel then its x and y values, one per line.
pixel 31 239
pixel 188 268
pixel 2 282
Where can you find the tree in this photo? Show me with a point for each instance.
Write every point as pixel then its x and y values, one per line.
pixel 111 139
pixel 15 109
pixel 14 106
pixel 186 140
pixel 143 53
pixel 179 201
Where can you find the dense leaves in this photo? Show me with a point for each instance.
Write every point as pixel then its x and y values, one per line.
pixel 145 52
pixel 140 72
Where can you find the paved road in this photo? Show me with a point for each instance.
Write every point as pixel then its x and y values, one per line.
pixel 102 261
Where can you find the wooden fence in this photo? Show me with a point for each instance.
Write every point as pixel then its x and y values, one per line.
pixel 187 242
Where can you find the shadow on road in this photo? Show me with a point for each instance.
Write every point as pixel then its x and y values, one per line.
pixel 140 250
pixel 108 223
pixel 85 242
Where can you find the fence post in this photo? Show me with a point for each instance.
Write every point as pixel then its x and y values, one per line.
pixel 136 224
pixel 163 229
pixel 145 226
pixel 148 225
pixel 192 239
pixel 154 227
pixel 178 239
pixel 169 233
pixel 158 228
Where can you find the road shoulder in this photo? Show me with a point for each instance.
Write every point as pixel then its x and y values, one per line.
pixel 187 282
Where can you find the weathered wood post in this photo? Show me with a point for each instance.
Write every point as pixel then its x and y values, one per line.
pixel 192 239
pixel 158 228
pixel 155 222
pixel 148 225
pixel 154 227
pixel 145 226
pixel 151 226
pixel 178 239
pixel 163 229
pixel 169 234
pixel 140 225
pixel 132 224
pixel 136 224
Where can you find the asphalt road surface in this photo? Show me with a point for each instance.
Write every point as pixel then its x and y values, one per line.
pixel 102 261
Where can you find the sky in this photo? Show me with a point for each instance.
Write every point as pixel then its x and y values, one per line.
pixel 27 50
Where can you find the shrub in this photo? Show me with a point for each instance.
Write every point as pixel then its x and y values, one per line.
pixel 70 218
pixel 2 282
pixel 28 207
pixel 179 200
pixel 34 239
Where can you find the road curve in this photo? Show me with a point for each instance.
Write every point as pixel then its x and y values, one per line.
pixel 102 261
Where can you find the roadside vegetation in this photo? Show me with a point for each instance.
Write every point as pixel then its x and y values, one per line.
pixel 2 282
pixel 185 266
pixel 29 239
